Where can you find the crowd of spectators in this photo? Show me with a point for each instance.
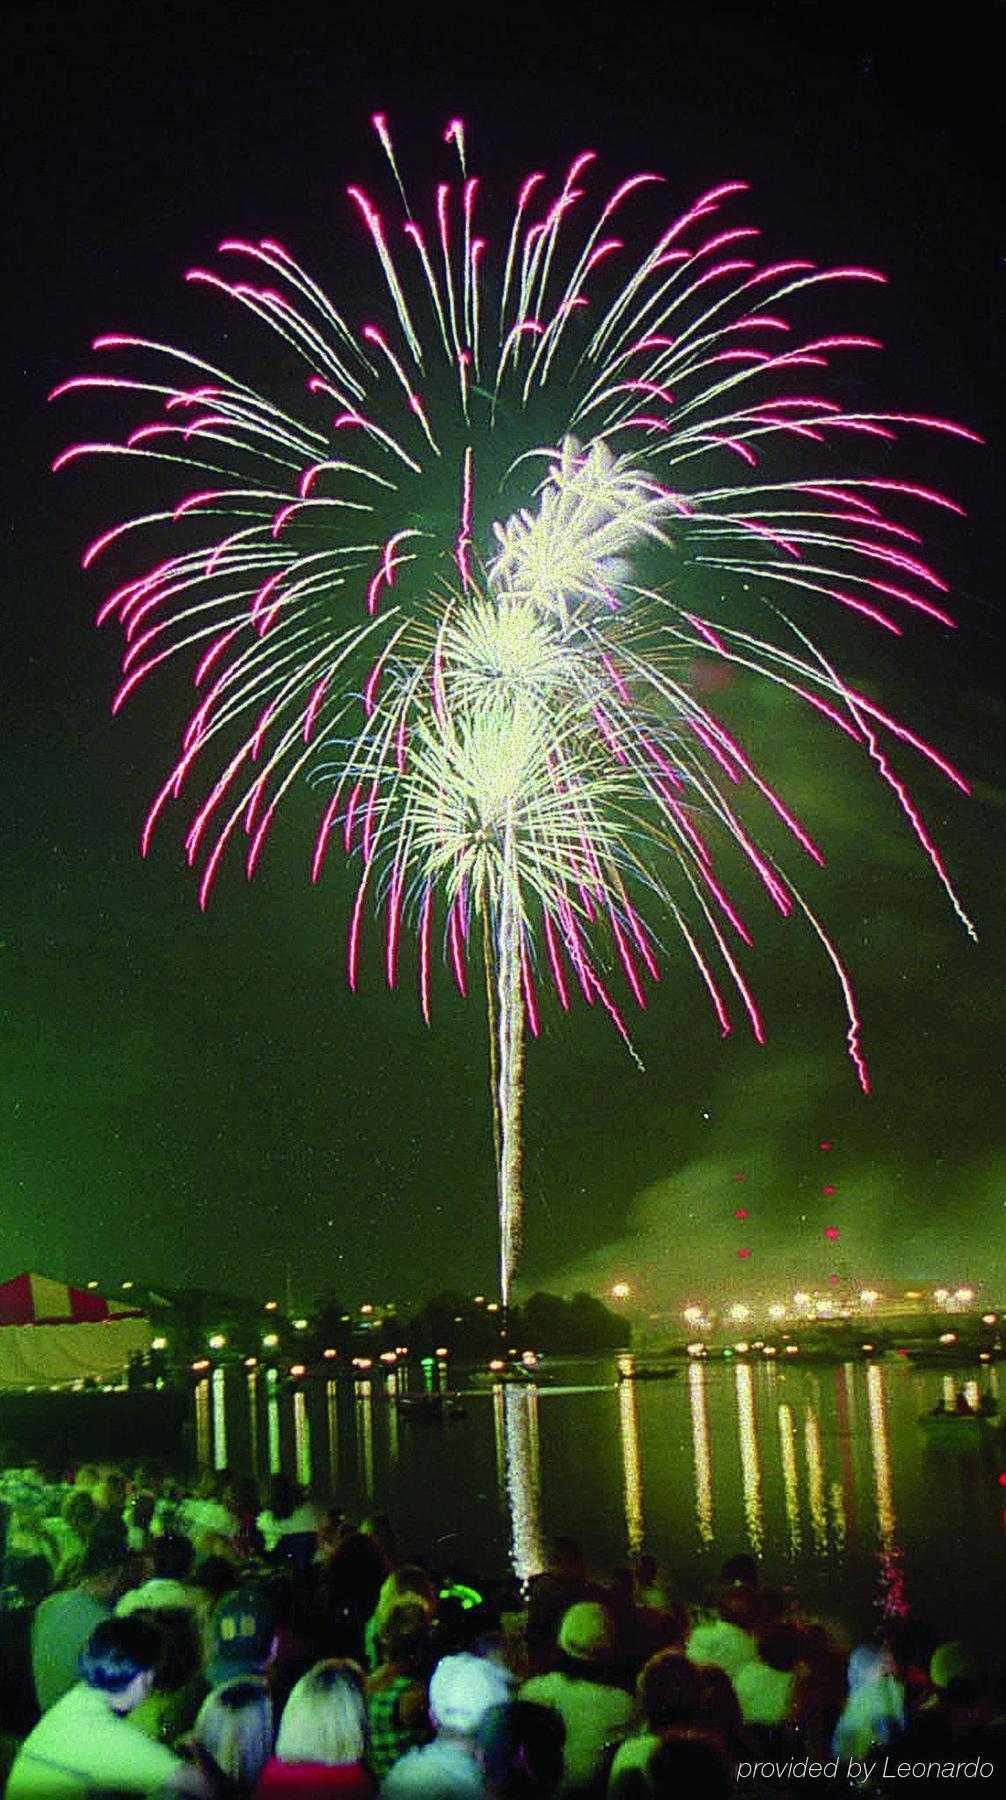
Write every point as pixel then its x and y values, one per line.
pixel 158 1639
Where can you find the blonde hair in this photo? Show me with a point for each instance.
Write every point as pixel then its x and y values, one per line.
pixel 409 1582
pixel 234 1727
pixel 325 1718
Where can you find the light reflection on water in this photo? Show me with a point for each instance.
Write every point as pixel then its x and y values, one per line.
pixel 499 1440
pixel 881 1454
pixel 632 1473
pixel 332 1433
pixel 838 1524
pixel 747 1437
pixel 219 1408
pixel 391 1389
pixel 272 1422
pixel 823 1473
pixel 787 1456
pixel 700 1451
pixel 523 1478
pixel 201 1398
pixel 252 1417
pixel 892 1598
pixel 847 1422
pixel 815 1478
pixel 365 1437
pixel 302 1439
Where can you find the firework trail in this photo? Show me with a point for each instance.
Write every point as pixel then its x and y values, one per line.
pixel 457 565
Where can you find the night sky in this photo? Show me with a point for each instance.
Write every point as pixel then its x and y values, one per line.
pixel 199 1098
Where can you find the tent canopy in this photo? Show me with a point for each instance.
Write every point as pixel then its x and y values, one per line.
pixel 51 1334
pixel 39 1300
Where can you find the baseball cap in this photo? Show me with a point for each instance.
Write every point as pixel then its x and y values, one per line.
pixel 243 1627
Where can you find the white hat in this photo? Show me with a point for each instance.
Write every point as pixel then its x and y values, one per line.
pixel 464 1688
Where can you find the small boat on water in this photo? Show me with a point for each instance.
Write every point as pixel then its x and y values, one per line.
pixel 964 1433
pixel 429 1409
pixel 647 1374
pixel 949 1362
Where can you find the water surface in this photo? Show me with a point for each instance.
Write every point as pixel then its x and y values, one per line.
pixel 822 1473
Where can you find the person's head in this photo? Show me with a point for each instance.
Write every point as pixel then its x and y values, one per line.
pixel 739 1606
pixel 110 1493
pixel 621 1588
pixel 586 1636
pixel 773 1606
pixel 690 1763
pixel 108 1568
pixel 405 1635
pixel 141 1512
pixel 780 1646
pixel 333 1528
pixel 462 1691
pixel 816 1647
pixel 408 1582
pixel 235 1727
pixel 741 1570
pixel 720 1709
pixel 172 1556
pixel 324 1720
pixel 80 1512
pixel 675 1624
pixel 669 1691
pixel 522 1746
pixel 868 1663
pixel 119 1661
pixel 565 1559
pixel 243 1632
pixel 378 1527
pixel 215 1575
pixel 148 1476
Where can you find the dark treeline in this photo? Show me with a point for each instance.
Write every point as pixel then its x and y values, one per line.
pixel 195 1320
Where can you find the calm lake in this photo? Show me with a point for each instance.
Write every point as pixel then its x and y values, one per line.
pixel 823 1473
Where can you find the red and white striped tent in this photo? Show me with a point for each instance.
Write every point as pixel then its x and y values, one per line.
pixel 52 1334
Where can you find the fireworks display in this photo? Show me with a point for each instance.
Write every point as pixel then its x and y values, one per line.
pixel 456 568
